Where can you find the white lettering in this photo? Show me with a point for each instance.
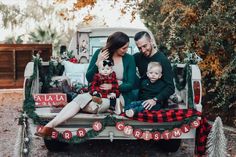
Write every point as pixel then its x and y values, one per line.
pixel 195 124
pixel 37 98
pixel 61 98
pixel 49 98
pixel 156 136
pixel 176 133
pixel 128 130
pixel 54 134
pixel 67 135
pixel 137 134
pixel 81 133
pixel 120 126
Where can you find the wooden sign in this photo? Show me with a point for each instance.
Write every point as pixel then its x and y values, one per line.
pixel 50 99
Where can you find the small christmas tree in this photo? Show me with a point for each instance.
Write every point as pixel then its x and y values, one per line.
pixel 216 143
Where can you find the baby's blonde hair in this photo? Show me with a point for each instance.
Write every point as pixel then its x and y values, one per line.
pixel 154 64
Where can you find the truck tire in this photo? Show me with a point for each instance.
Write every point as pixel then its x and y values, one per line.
pixel 169 145
pixel 55 146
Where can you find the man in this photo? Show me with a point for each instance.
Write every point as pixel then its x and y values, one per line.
pixel 149 53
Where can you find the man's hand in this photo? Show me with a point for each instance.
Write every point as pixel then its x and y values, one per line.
pixel 105 86
pixel 148 104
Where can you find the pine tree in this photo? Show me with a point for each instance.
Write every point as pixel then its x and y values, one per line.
pixel 216 143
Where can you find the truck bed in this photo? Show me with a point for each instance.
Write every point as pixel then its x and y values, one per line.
pixel 84 120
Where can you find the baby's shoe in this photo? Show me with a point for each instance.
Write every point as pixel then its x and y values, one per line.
pixel 129 113
pixel 45 131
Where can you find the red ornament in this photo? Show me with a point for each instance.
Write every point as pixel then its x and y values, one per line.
pixel 147 135
pixel 67 134
pixel 185 128
pixel 128 130
pixel 120 126
pixel 81 132
pixel 166 135
pixel 176 132
pixel 97 126
pixel 195 123
pixel 137 133
pixel 54 135
pixel 73 60
pixel 156 136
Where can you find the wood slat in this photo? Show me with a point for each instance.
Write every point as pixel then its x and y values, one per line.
pixel 14 58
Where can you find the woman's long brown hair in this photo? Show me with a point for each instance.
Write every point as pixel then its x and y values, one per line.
pixel 114 42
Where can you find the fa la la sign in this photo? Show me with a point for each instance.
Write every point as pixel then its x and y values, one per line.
pixel 51 99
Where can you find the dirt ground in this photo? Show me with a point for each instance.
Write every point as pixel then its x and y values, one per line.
pixel 10 106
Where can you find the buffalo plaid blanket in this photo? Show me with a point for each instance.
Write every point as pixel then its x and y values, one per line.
pixel 174 115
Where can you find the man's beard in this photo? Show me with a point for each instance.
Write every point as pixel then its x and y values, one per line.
pixel 149 54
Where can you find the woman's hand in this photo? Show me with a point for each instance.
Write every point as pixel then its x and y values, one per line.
pixel 103 55
pixel 105 86
pixel 148 104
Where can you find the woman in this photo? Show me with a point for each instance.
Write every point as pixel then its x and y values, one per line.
pixel 124 67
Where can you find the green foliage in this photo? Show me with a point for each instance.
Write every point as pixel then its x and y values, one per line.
pixel 11 16
pixel 204 28
pixel 35 14
pixel 14 40
pixel 225 88
pixel 46 35
pixel 182 25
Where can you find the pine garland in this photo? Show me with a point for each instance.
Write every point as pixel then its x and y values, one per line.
pixel 187 79
pixel 107 121
pixel 190 91
pixel 52 69
pixel 180 85
pixel 111 121
pixel 29 103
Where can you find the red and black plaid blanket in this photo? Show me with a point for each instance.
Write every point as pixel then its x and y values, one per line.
pixel 174 115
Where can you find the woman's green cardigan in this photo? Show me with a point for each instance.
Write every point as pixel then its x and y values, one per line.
pixel 129 74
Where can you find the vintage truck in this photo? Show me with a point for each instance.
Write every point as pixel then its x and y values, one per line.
pixel 108 126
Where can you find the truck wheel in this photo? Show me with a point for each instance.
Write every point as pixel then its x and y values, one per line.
pixel 169 145
pixel 55 146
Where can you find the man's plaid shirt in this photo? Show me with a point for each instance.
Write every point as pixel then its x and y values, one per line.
pixel 99 79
